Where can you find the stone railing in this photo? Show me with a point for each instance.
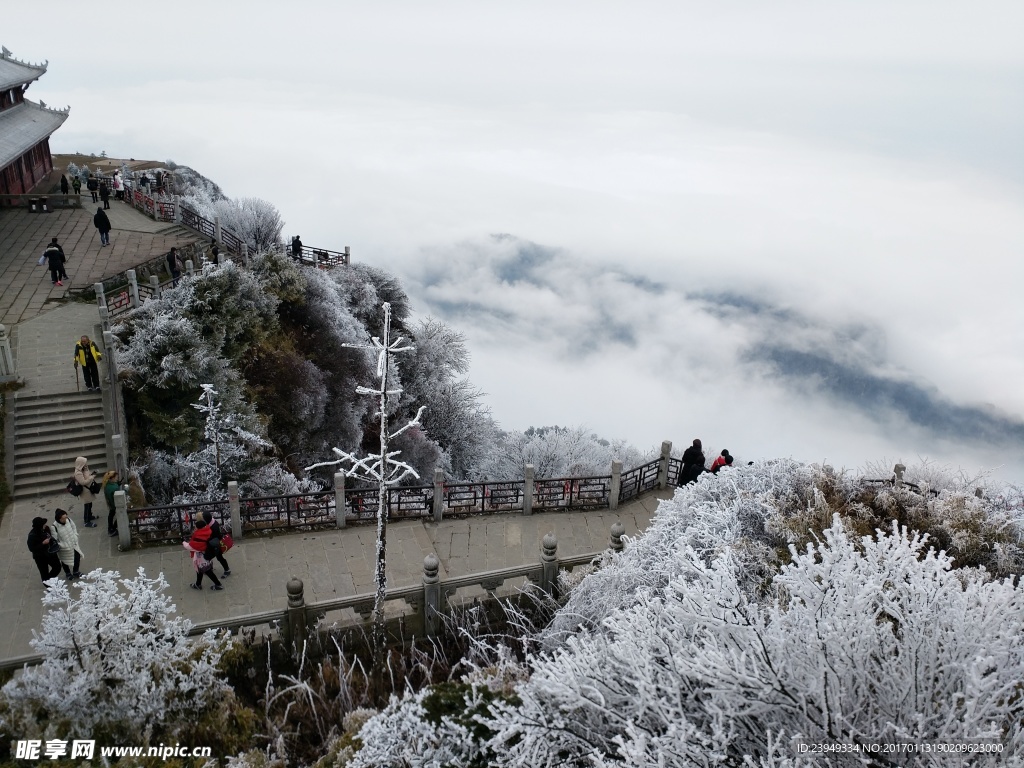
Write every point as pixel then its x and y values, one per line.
pixel 415 610
pixel 255 516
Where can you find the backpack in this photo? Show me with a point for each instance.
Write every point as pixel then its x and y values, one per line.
pixel 73 487
pixel 212 548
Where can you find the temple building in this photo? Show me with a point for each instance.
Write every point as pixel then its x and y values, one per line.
pixel 25 127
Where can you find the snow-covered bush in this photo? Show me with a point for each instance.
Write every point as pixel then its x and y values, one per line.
pixel 860 641
pixel 556 452
pixel 118 665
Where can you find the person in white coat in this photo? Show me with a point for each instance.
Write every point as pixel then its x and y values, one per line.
pixel 66 533
pixel 85 477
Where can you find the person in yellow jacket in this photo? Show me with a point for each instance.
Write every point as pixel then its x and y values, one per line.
pixel 87 355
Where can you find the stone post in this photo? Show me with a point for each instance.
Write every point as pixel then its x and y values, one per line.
pixel 348 257
pixel 101 297
pixel 339 499
pixel 618 531
pixel 666 449
pixel 296 615
pixel 154 283
pixel 177 209
pixel 438 494
pixel 616 486
pixel 124 535
pixel 133 287
pixel 897 475
pixel 216 229
pixel 189 267
pixel 117 441
pixel 235 508
pixel 549 563
pixel 6 357
pixel 104 321
pixel 431 596
pixel 116 400
pixel 528 489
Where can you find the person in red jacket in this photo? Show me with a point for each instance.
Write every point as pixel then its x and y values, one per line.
pixel 724 460
pixel 198 543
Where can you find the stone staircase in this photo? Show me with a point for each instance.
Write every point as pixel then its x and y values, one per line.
pixel 50 431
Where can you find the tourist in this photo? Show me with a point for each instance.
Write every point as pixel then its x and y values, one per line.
pixel 722 460
pixel 215 548
pixel 198 544
pixel 88 355
pixel 296 247
pixel 102 223
pixel 39 542
pixel 64 187
pixel 214 252
pixel 55 258
pixel 115 181
pixel 105 194
pixel 159 183
pixel 86 478
pixel 108 487
pixel 174 266
pixel 65 532
pixel 144 181
pixel 693 463
pixel 92 185
pixel 76 184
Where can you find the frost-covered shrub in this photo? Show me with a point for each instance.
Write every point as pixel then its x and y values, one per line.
pixel 859 641
pixel 556 452
pixel 118 665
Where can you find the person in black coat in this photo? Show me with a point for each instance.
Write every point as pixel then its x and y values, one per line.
pixel 693 463
pixel 102 223
pixel 55 259
pixel 215 536
pixel 64 187
pixel 105 194
pixel 39 545
pixel 92 184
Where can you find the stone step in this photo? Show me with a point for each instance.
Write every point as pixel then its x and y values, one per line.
pixel 42 424
pixel 94 445
pixel 47 486
pixel 37 441
pixel 62 405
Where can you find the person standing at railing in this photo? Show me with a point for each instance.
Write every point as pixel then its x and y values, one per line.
pixel 693 463
pixel 92 184
pixel 174 266
pixel 105 194
pixel 296 247
pixel 159 183
pixel 108 488
pixel 102 223
pixel 115 181
pixel 214 252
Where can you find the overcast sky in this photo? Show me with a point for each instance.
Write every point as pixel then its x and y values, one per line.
pixel 788 228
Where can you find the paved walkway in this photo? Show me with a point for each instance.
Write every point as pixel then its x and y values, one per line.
pixel 26 291
pixel 331 563
pixel 45 346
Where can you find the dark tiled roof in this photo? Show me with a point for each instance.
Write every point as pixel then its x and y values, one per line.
pixel 25 125
pixel 14 72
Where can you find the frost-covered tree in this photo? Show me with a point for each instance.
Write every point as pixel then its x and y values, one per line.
pixel 458 420
pixel 256 221
pixel 119 665
pixel 556 452
pixel 382 469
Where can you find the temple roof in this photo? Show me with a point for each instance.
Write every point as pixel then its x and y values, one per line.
pixel 25 125
pixel 14 72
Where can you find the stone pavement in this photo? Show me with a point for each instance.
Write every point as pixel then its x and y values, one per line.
pixel 25 289
pixel 331 563
pixel 45 346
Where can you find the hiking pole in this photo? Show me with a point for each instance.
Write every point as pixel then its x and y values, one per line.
pixel 77 382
